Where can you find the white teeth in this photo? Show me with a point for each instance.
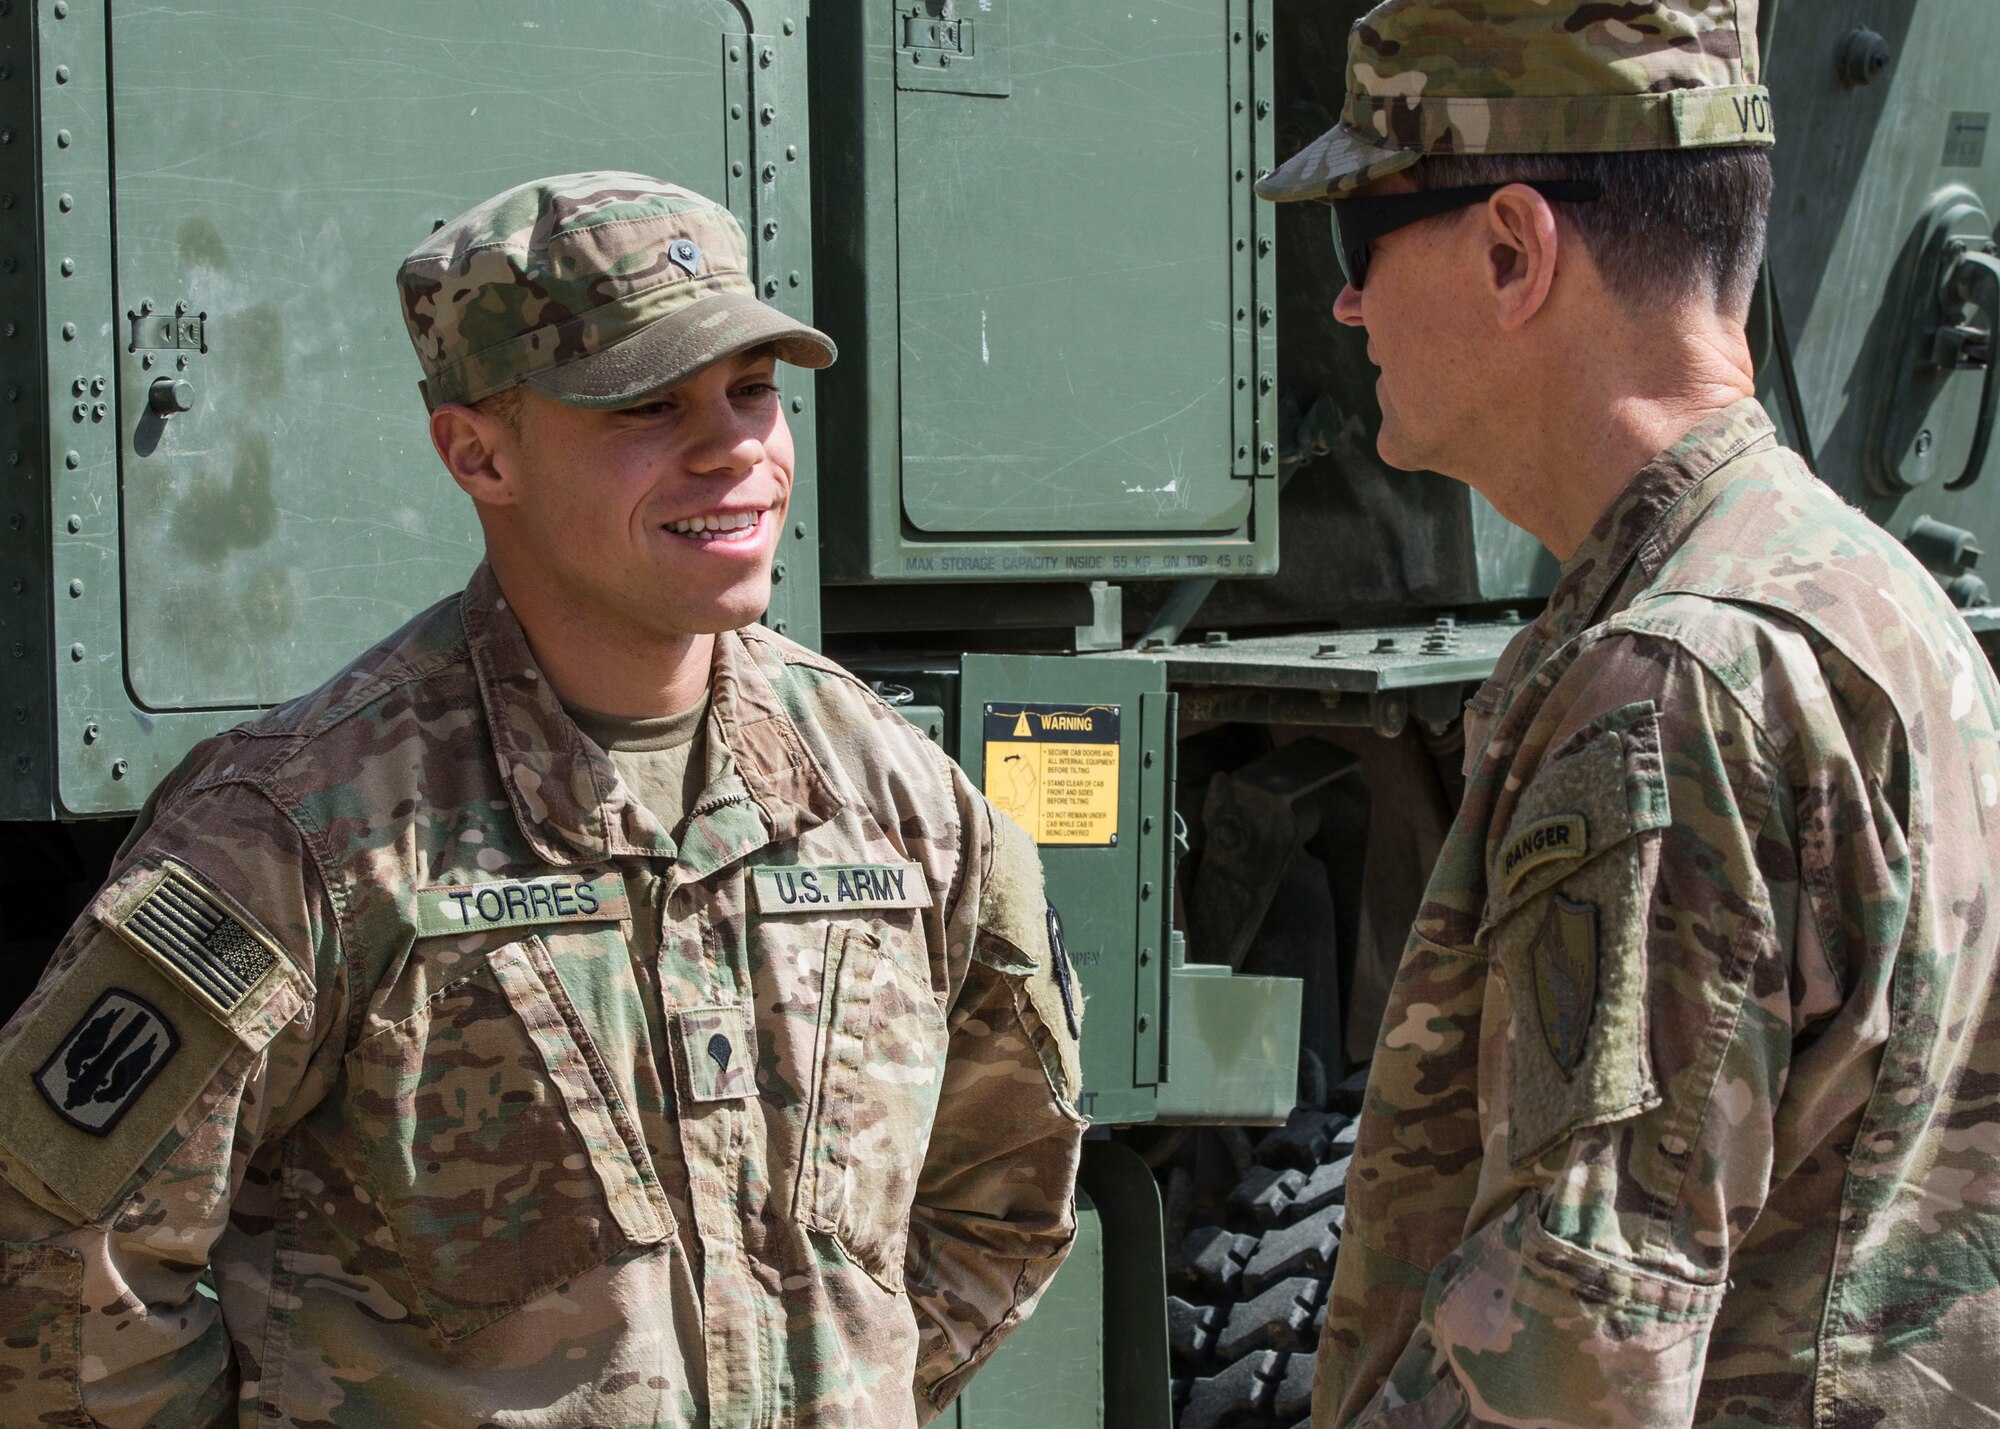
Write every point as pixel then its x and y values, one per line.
pixel 715 525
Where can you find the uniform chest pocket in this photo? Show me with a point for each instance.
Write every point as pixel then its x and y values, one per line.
pixel 1570 882
pixel 877 1064
pixel 499 1151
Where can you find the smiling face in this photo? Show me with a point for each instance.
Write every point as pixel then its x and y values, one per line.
pixel 649 523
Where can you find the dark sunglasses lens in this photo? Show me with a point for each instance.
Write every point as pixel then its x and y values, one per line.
pixel 1352 256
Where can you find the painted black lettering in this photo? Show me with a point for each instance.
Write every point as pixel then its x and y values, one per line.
pixel 565 903
pixel 586 897
pixel 497 911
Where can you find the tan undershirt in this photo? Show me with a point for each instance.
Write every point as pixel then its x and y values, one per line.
pixel 664 764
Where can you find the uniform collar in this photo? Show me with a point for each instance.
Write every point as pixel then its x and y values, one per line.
pixel 1644 523
pixel 763 786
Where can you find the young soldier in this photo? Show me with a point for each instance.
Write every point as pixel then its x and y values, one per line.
pixel 1684 1107
pixel 587 1007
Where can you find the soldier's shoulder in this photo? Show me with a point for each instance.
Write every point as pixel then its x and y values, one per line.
pixel 322 735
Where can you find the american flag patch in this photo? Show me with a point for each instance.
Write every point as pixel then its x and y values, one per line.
pixel 196 937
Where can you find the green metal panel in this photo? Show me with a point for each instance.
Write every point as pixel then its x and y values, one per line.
pixel 1057 329
pixel 1115 901
pixel 1234 1047
pixel 1051 1371
pixel 271 165
pixel 1857 166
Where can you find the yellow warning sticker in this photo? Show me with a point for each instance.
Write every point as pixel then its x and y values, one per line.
pixel 1054 769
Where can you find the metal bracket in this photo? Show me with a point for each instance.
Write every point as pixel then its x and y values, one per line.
pixel 179 330
pixel 938 51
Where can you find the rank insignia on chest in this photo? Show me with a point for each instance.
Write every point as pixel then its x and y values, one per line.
pixel 838 887
pixel 1565 958
pixel 519 902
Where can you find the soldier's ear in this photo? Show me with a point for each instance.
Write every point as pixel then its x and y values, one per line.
pixel 471 444
pixel 1521 242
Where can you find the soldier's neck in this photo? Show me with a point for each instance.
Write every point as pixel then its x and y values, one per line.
pixel 597 661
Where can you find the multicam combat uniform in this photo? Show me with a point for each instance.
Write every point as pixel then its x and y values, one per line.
pixel 1687 1105
pixel 356 1085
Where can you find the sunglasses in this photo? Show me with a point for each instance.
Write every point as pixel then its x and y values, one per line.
pixel 1358 222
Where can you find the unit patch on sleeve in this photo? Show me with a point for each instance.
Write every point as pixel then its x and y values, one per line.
pixel 519 902
pixel 837 887
pixel 106 1060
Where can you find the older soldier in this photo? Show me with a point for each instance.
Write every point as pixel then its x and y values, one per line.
pixel 587 1007
pixel 1684 1109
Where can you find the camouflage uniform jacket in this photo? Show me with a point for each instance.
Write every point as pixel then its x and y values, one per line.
pixel 349 1100
pixel 1684 1109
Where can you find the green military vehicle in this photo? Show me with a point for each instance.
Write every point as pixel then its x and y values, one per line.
pixel 1091 496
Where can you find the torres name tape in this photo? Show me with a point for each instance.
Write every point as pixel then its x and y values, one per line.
pixel 817 887
pixel 520 902
pixel 1054 770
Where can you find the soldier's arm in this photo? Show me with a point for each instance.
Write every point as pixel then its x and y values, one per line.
pixel 172 1033
pixel 1642 898
pixel 995 1203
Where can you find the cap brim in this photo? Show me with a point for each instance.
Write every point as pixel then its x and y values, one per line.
pixel 672 350
pixel 1333 166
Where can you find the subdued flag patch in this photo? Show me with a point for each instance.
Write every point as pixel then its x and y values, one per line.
pixel 106 1061
pixel 195 936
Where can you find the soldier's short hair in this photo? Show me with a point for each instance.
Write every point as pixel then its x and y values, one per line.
pixel 506 406
pixel 1672 224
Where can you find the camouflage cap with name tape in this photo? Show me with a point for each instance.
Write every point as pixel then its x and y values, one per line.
pixel 1534 77
pixel 593 289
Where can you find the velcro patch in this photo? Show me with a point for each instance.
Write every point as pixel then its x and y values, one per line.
pixel 1563 837
pixel 448 908
pixel 822 887
pixel 106 1060
pixel 721 1056
pixel 195 936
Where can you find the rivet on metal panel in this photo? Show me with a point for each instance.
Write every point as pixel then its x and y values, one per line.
pixel 1146 824
pixel 75 524
pixel 770 230
pixel 80 386
pixel 765 57
pixel 76 652
pixel 799 531
pixel 1242 452
pixel 1265 384
pixel 145 307
pixel 770 287
pixel 770 172
pixel 119 769
pixel 23 763
pixel 69 267
pixel 1267 452
pixel 1239 106
pixel 1264 316
pixel 768 113
pixel 62 10
pixel 736 171
pixel 97 386
pixel 1263 38
pixel 791 153
pixel 1241 176
pixel 62 138
pixel 791 27
pixel 65 202
pixel 779 626
pixel 90 732
pixel 97 411
pixel 181 363
pixel 777 571
pixel 72 460
pixel 1236 38
pixel 1242 313
pixel 799 405
pixel 69 332
pixel 75 589
pixel 62 74
pixel 1241 383
pixel 1263 247
pixel 80 411
pixel 735 55
pixel 1144 1022
pixel 1145 957
pixel 735 111
pixel 146 361
pixel 793 278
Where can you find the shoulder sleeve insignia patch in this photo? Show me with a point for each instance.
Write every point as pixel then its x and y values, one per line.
pixel 196 937
pixel 106 1060
pixel 1565 958
pixel 1566 836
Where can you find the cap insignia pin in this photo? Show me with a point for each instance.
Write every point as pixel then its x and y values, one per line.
pixel 685 255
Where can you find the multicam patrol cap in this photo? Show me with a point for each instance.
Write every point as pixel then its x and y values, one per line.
pixel 593 289
pixel 1534 77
